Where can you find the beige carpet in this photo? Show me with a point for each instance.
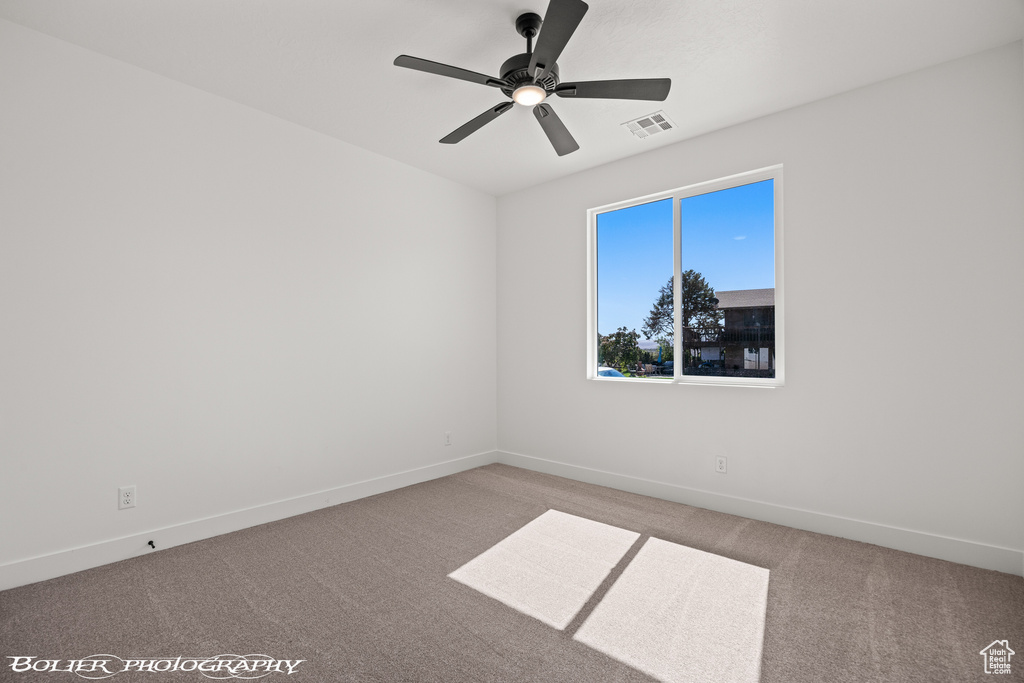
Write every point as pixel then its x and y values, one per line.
pixel 550 568
pixel 679 614
pixel 683 616
pixel 361 592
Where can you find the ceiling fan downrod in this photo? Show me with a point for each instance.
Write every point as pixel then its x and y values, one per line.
pixel 527 26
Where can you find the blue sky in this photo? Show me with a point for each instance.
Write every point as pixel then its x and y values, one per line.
pixel 728 236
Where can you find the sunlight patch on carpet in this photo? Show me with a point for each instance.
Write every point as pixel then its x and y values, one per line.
pixel 549 568
pixel 683 615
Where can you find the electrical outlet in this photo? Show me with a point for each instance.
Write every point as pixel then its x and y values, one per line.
pixel 721 464
pixel 447 438
pixel 125 497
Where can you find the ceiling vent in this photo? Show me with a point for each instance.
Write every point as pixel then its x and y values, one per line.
pixel 652 124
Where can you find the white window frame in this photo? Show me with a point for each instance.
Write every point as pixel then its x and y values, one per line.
pixel 769 173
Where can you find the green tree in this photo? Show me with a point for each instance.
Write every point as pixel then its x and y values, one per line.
pixel 619 349
pixel 660 322
pixel 701 320
pixel 667 350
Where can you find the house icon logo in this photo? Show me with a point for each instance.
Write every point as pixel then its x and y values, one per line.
pixel 997 657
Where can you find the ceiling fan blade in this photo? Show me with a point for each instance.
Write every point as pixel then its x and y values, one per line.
pixel 560 22
pixel 449 71
pixel 556 131
pixel 464 131
pixel 630 89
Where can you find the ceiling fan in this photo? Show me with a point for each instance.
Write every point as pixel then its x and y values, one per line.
pixel 529 78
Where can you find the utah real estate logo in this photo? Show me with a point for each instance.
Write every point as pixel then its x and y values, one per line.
pixel 997 657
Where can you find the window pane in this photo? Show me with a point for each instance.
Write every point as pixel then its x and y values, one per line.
pixel 728 281
pixel 634 266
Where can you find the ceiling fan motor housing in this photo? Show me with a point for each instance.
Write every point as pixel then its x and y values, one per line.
pixel 516 72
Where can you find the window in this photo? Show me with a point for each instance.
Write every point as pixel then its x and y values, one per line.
pixel 685 285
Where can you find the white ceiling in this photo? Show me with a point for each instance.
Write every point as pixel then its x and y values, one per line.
pixel 328 65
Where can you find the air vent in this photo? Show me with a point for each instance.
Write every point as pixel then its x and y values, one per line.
pixel 652 124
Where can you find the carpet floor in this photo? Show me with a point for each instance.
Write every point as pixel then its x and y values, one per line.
pixel 361 592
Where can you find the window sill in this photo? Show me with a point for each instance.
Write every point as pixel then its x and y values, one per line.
pixel 689 382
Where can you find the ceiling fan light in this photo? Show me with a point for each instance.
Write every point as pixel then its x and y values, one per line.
pixel 529 95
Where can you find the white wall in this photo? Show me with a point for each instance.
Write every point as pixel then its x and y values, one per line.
pixel 219 307
pixel 904 229
pixel 229 311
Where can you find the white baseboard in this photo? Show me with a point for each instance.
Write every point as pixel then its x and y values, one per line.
pixel 68 561
pixel 40 568
pixel 930 545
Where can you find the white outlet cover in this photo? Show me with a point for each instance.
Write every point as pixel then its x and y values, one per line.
pixel 126 497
